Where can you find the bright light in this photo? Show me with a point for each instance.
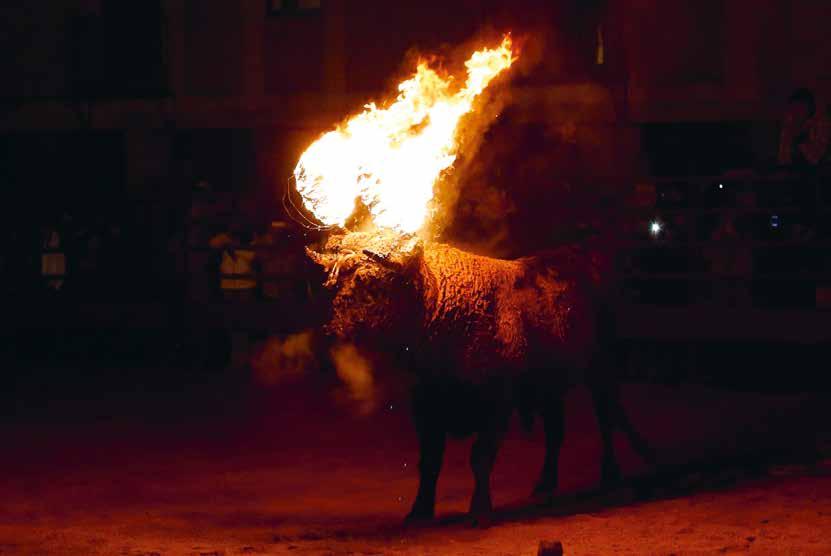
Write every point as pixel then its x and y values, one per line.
pixel 655 227
pixel 390 156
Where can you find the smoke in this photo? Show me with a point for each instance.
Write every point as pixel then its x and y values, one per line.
pixel 472 132
pixel 356 375
pixel 278 360
pixel 475 203
pixel 543 131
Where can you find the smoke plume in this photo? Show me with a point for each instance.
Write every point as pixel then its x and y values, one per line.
pixel 356 374
pixel 282 359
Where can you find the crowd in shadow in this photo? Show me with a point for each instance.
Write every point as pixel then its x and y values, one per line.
pixel 735 227
pixel 64 256
pixel 752 236
pixel 206 254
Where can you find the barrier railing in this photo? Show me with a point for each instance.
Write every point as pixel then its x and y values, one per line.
pixel 729 258
pixel 711 229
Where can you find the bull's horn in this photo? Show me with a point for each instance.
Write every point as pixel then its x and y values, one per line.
pixel 383 260
pixel 323 259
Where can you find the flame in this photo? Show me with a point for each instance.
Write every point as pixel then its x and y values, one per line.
pixel 390 158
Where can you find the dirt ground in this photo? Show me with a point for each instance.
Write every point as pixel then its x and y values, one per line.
pixel 210 466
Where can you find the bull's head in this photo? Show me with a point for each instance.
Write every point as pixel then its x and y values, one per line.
pixel 375 282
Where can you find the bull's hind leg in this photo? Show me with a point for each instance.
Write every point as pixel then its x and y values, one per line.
pixel 610 414
pixel 482 458
pixel 553 421
pixel 609 469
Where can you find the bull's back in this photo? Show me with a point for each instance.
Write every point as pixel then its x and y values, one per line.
pixel 491 316
pixel 559 319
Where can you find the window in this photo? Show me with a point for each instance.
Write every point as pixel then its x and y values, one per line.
pixel 292 7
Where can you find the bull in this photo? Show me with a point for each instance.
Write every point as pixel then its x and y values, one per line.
pixel 483 337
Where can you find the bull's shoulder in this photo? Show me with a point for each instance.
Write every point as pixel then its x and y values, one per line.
pixel 464 287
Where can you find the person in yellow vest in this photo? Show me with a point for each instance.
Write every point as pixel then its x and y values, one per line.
pixel 52 259
pixel 235 261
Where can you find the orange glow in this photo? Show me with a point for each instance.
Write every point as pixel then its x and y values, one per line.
pixel 391 157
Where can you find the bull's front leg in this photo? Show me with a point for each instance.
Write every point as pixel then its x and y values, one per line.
pixel 431 437
pixel 553 421
pixel 482 458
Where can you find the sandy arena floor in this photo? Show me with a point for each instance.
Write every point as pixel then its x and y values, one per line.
pixel 242 470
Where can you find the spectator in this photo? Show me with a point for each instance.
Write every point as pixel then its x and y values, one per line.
pixel 53 259
pixel 270 263
pixel 236 260
pixel 804 137
pixel 731 262
pixel 279 262
pixel 116 275
pixel 88 264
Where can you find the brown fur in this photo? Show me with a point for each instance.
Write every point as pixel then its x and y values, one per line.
pixel 481 316
pixel 484 336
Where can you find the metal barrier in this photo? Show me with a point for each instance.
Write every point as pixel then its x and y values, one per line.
pixel 730 258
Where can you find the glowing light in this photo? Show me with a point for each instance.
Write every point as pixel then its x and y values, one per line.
pixel 655 227
pixel 391 157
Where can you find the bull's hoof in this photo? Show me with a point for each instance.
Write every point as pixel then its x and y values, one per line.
pixel 610 476
pixel 480 520
pixel 419 516
pixel 542 497
pixel 481 512
pixel 648 455
pixel 543 493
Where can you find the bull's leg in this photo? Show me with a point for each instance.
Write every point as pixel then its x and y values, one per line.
pixel 553 422
pixel 609 469
pixel 636 440
pixel 482 457
pixel 429 466
pixel 610 414
pixel 431 438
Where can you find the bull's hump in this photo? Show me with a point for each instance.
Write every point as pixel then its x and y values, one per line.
pixel 466 287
